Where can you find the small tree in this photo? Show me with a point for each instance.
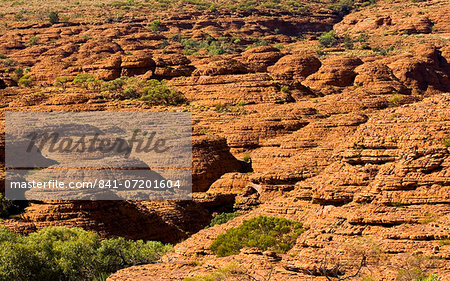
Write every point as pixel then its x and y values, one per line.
pixel 59 253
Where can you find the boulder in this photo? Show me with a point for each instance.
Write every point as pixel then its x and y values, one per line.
pixel 334 72
pixel 297 66
pixel 378 78
pixel 259 58
pixel 219 66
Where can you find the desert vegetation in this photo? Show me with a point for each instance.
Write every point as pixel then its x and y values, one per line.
pixel 150 91
pixel 59 253
pixel 263 232
pixel 223 218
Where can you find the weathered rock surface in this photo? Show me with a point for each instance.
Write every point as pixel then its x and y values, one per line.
pixel 351 141
pixel 391 203
pixel 334 73
pixel 297 66
pixel 211 158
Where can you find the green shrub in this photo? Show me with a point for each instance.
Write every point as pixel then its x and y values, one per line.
pixel 285 89
pixel 416 274
pixel 383 51
pixel 53 18
pixel 155 26
pixel 87 81
pixel 125 5
pixel 33 40
pixel 213 46
pixel 444 242
pixel 114 87
pixel 2 56
pixel 328 39
pixel 151 91
pixel 223 218
pixel 18 73
pixel 19 16
pixel 124 88
pixel 247 158
pixel 279 46
pixel 83 78
pixel 348 42
pixel 241 103
pixel 118 253
pixel 117 17
pixel 446 141
pixel 365 46
pixel 263 232
pixel 25 81
pixel 220 107
pixel 59 253
pixel 395 100
pixel 259 42
pixel 343 7
pixel 61 81
pixel 176 38
pixel 363 37
pixel 159 93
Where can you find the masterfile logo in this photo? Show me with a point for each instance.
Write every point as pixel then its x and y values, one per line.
pixel 98 156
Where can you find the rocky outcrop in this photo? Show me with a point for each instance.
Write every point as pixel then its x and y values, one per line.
pixel 136 64
pixel 334 73
pixel 377 78
pixel 172 65
pixel 218 66
pixel 387 211
pixel 296 66
pixel 425 69
pixel 259 58
pixel 230 89
pixel 211 159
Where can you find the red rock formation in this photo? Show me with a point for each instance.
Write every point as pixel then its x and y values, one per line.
pixel 296 66
pixel 211 159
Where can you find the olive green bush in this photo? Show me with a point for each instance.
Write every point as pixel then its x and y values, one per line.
pixel 157 92
pixel 223 218
pixel 152 91
pixel 87 81
pixel 263 232
pixel 59 253
pixel 328 39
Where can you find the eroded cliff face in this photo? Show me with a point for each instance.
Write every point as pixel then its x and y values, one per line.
pixel 385 193
pixel 349 141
